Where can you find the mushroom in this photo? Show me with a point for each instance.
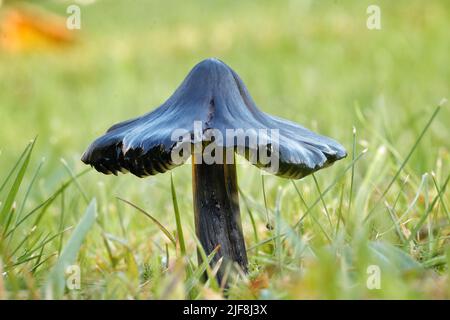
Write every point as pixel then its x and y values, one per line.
pixel 209 103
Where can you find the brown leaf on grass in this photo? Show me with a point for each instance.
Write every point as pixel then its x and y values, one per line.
pixel 259 283
pixel 28 28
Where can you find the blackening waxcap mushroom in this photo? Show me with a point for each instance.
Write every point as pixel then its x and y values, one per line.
pixel 213 94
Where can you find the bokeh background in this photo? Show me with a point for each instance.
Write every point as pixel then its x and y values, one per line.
pixel 314 62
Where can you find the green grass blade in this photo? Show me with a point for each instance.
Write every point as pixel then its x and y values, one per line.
pixel 9 220
pixel 352 176
pixel 336 180
pixel 48 240
pixel 393 257
pixel 435 261
pixel 180 235
pixel 24 152
pixel 322 200
pixel 30 187
pixel 44 205
pixel 196 276
pixel 444 207
pixel 396 223
pixel 160 226
pixel 268 224
pixel 16 184
pixel 36 266
pixel 429 210
pixel 339 211
pixel 302 199
pixel 416 198
pixel 56 280
pixel 278 243
pixel 61 222
pixel 250 214
pixel 400 169
pixel 21 243
pixel 75 180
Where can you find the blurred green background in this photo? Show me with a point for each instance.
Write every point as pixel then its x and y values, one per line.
pixel 313 62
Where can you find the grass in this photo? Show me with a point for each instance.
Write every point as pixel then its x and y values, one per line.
pixel 386 205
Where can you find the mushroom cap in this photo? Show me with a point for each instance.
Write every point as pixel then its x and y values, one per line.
pixel 215 95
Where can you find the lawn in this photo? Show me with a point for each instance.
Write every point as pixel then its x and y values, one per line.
pixel 375 225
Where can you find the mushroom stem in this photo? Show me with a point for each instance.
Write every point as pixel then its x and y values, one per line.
pixel 217 216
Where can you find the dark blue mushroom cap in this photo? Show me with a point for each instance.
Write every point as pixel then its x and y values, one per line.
pixel 215 95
